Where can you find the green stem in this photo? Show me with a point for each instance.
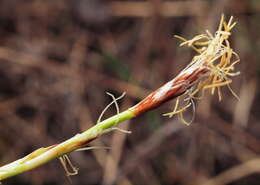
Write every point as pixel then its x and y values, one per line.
pixel 44 155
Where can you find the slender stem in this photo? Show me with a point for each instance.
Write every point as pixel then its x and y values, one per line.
pixel 200 73
pixel 176 87
pixel 44 155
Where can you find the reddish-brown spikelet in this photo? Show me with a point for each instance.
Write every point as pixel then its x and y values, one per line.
pixel 210 69
pixel 172 89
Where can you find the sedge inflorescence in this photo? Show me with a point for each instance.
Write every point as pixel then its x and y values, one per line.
pixel 215 55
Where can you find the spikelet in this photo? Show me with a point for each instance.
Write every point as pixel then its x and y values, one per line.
pixel 215 53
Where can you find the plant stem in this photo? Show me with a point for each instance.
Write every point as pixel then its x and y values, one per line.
pixel 172 89
pixel 44 155
pixel 202 73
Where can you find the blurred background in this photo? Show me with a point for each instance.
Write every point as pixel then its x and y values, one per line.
pixel 58 58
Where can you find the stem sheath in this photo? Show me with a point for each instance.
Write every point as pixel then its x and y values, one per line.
pixel 44 155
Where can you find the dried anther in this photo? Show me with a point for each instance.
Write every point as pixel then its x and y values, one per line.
pixel 217 57
pixel 114 101
pixel 67 165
